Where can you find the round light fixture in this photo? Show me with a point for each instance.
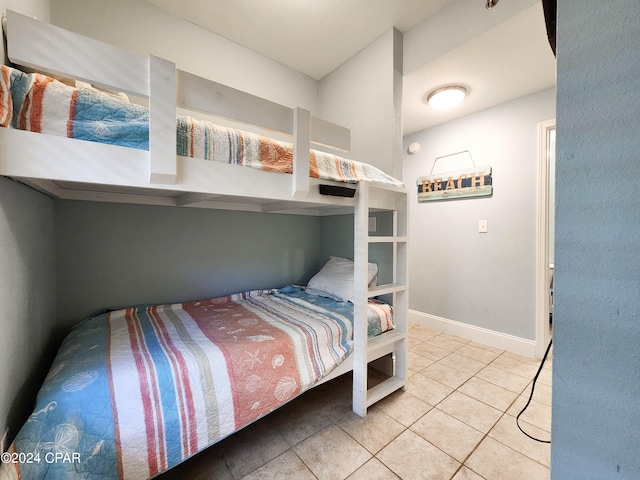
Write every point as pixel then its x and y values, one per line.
pixel 446 97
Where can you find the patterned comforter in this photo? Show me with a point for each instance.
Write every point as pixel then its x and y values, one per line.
pixel 134 392
pixel 40 103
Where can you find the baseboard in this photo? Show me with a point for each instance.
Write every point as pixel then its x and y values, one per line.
pixel 500 340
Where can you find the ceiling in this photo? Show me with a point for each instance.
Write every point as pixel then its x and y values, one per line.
pixel 500 54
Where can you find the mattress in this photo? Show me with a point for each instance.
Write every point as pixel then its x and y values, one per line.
pixel 40 103
pixel 133 392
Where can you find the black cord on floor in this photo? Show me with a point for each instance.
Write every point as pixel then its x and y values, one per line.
pixel 533 386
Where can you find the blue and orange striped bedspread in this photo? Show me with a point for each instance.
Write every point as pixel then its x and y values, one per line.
pixel 134 392
pixel 39 103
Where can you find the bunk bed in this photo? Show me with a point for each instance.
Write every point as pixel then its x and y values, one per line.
pixel 154 413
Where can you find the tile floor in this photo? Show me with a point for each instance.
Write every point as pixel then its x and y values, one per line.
pixel 455 421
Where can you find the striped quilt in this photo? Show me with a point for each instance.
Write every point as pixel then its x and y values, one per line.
pixel 134 392
pixel 40 103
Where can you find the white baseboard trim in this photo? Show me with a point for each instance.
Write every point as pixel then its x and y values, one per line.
pixel 500 340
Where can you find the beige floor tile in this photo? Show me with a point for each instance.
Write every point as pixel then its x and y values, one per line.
pixel 462 363
pixel 545 375
pixel 411 457
pixel 422 334
pixel 522 358
pixel 427 389
pixel 488 393
pixel 305 416
pixel 335 398
pixel 490 348
pixel 416 362
pixel 286 466
pixel 403 407
pixel 537 413
pixel 446 343
pixel 448 434
pixel 455 338
pixel 251 448
pixel 478 353
pixel 422 328
pixel 465 474
pixel 503 379
pixel 374 431
pixel 542 393
pixel 446 375
pixel 430 351
pixel 374 469
pixel 332 454
pixel 470 411
pixel 507 432
pixel 495 461
pixel 518 367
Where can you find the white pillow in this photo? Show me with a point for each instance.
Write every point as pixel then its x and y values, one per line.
pixel 335 279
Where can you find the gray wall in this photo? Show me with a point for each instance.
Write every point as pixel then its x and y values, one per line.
pixel 486 280
pixel 596 371
pixel 113 255
pixel 27 281
pixel 27 296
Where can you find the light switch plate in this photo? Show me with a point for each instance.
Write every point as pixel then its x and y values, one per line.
pixel 373 224
pixel 483 226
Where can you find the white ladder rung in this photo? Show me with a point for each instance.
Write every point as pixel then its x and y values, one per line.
pixel 387 387
pixel 383 344
pixel 386 289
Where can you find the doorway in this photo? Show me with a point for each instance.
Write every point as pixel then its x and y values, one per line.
pixel 545 233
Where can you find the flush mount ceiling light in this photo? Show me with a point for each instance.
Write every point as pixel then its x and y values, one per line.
pixel 446 97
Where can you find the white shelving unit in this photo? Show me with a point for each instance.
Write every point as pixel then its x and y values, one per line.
pixel 394 342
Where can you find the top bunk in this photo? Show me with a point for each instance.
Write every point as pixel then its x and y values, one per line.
pixel 117 133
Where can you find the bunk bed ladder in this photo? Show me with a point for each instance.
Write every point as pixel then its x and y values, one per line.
pixel 392 343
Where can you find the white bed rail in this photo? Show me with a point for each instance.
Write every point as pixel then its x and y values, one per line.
pixel 30 43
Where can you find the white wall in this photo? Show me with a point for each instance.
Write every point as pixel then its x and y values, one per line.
pixel 455 23
pixel 596 360
pixel 145 29
pixel 483 280
pixel 364 94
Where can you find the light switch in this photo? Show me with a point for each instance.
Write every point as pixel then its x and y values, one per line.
pixel 483 226
pixel 373 224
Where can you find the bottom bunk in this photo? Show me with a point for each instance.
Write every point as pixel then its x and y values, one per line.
pixel 134 392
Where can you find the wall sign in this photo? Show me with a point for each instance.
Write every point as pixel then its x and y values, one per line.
pixel 455 176
pixel 472 182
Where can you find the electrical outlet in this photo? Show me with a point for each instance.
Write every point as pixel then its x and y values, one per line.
pixel 3 441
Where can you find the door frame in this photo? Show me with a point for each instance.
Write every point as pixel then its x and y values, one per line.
pixel 542 238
